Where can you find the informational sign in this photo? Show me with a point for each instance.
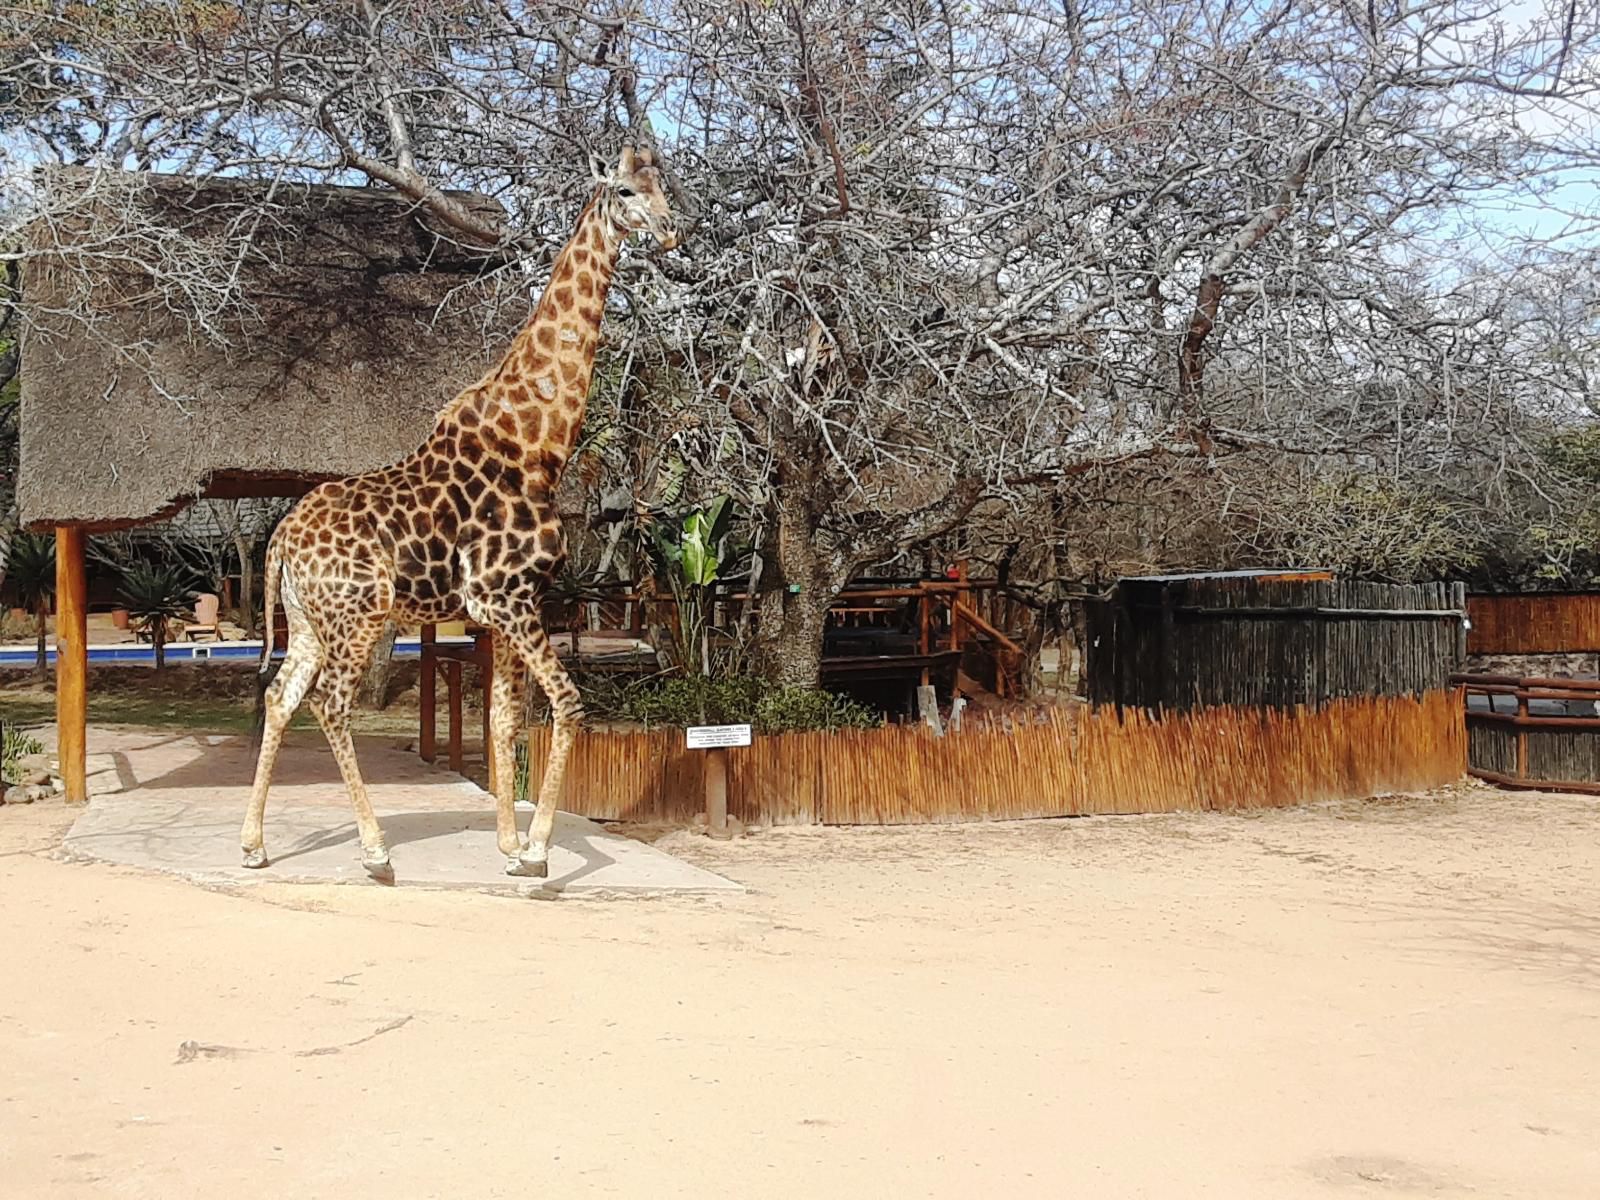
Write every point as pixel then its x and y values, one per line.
pixel 715 737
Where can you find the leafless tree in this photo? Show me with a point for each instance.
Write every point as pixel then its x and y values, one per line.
pixel 937 259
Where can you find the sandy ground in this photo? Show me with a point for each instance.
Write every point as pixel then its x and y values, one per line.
pixel 1399 998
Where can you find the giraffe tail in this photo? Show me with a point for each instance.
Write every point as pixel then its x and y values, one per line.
pixel 269 615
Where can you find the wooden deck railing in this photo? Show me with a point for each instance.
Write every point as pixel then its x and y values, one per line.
pixel 1527 732
pixel 947 616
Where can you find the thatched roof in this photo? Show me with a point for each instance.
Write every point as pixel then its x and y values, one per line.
pixel 346 329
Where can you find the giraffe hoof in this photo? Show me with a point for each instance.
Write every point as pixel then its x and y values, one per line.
pixel 527 867
pixel 255 859
pixel 379 867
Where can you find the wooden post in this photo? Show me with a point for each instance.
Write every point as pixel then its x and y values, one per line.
pixel 452 683
pixel 717 793
pixel 928 708
pixel 1522 733
pixel 72 662
pixel 485 650
pixel 925 631
pixel 427 730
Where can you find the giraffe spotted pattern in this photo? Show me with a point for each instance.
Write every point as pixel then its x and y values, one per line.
pixel 465 527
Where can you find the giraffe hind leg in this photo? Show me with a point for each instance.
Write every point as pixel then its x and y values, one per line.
pixel 330 702
pixel 292 680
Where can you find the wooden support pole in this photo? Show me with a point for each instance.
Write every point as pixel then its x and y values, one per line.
pixel 427 730
pixel 72 663
pixel 1522 736
pixel 452 682
pixel 925 631
pixel 485 649
pixel 716 769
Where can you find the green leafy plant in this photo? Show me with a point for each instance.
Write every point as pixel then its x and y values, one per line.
pixel 31 571
pixel 686 553
pixel 156 594
pixel 15 745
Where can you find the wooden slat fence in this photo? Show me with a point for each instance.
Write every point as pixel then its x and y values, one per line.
pixel 1197 642
pixel 1066 763
pixel 1534 623
pixel 1532 732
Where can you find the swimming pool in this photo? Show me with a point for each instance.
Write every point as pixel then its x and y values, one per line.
pixel 183 652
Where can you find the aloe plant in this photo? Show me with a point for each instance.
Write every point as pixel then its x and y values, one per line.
pixel 154 594
pixel 32 572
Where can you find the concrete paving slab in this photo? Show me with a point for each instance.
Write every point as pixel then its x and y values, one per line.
pixel 182 800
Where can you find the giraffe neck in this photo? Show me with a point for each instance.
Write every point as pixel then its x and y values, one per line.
pixel 543 381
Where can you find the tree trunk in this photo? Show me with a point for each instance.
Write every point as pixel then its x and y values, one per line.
pixel 375 683
pixel 158 640
pixel 8 530
pixel 792 650
pixel 41 662
pixel 247 565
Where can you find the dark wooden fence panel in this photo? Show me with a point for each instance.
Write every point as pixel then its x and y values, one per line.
pixel 1195 642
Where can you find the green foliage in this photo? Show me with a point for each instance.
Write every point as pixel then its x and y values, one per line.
pixel 1575 453
pixel 152 591
pixel 154 594
pixel 687 553
pixel 31 570
pixel 694 700
pixel 14 745
pixel 1380 528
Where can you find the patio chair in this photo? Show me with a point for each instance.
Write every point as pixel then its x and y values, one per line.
pixel 204 625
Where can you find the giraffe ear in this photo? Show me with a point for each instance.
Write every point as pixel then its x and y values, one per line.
pixel 597 168
pixel 625 163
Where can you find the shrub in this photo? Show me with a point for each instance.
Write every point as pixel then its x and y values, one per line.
pixel 14 746
pixel 692 700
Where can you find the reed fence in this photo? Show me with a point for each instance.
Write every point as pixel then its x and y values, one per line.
pixel 1074 762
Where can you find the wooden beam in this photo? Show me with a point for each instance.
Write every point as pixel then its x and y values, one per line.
pixel 72 663
pixel 452 681
pixel 427 717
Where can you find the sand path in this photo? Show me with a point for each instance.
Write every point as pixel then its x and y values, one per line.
pixel 1399 998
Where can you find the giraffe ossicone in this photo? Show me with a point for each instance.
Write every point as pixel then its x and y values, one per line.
pixel 466 526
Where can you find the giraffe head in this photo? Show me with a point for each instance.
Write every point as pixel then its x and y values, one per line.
pixel 635 199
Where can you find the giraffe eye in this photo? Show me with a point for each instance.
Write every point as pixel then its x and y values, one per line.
pixel 624 191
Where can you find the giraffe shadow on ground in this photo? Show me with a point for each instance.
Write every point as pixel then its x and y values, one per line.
pixel 574 838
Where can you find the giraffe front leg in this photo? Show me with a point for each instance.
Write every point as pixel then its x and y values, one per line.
pixel 567 715
pixel 505 706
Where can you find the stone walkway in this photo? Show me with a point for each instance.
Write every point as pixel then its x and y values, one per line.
pixel 174 802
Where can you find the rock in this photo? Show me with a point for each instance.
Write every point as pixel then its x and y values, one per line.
pixel 35 775
pixel 34 762
pixel 26 795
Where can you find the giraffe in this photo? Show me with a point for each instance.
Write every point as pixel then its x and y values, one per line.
pixel 466 526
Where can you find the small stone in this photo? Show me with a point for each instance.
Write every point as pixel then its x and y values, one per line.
pixel 23 795
pixel 36 775
pixel 34 762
